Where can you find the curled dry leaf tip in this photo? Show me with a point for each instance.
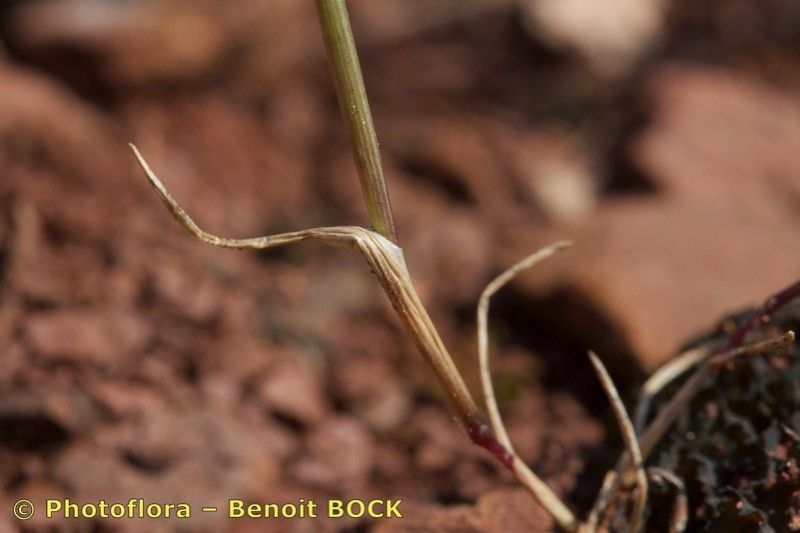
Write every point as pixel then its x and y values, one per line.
pixel 538 488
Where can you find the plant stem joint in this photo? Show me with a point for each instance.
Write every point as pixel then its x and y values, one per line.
pixel 481 434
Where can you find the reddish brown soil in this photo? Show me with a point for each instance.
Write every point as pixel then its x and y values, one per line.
pixel 137 362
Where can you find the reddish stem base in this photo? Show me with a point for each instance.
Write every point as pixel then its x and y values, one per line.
pixel 482 435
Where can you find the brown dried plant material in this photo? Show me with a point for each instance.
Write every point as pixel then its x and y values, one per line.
pixel 388 264
pixel 632 445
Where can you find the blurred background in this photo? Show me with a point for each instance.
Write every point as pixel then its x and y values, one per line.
pixel 662 136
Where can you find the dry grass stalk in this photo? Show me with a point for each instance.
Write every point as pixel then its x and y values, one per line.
pixel 543 494
pixel 665 375
pixel 632 445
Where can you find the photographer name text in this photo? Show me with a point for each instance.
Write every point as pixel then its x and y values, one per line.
pixel 234 508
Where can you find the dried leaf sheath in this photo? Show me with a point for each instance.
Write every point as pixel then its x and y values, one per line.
pixel 386 262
